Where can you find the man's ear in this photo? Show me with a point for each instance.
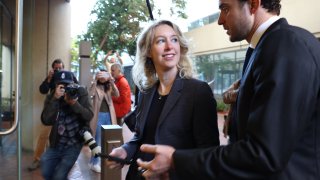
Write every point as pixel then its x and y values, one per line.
pixel 254 5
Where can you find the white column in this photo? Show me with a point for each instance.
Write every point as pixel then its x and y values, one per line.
pixel 85 76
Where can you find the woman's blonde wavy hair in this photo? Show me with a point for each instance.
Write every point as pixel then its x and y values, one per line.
pixel 143 72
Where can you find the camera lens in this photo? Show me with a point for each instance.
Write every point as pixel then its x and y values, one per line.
pixel 72 91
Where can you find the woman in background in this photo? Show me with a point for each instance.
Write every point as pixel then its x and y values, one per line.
pixel 101 91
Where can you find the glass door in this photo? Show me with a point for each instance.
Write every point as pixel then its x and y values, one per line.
pixel 6 73
pixel 9 66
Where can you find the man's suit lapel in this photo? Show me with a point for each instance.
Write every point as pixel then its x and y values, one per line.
pixel 239 122
pixel 173 97
pixel 273 27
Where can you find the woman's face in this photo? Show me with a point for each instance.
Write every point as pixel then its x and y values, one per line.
pixel 165 48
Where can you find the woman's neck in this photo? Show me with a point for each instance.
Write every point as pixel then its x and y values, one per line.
pixel 166 82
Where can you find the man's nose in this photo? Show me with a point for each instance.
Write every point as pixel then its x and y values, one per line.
pixel 220 19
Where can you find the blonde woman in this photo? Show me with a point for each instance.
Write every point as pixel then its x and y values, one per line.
pixel 173 109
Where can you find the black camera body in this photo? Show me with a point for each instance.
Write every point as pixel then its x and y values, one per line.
pixel 72 90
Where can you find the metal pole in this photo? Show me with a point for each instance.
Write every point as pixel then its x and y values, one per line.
pixel 19 17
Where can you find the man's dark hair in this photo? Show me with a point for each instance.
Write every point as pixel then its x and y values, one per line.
pixel 271 5
pixel 57 61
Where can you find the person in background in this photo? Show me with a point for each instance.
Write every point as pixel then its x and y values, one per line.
pixel 46 86
pixel 277 111
pixel 101 91
pixel 175 109
pixel 122 104
pixel 112 60
pixel 68 110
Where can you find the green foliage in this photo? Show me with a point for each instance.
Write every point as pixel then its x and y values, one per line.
pixel 221 106
pixel 179 6
pixel 118 22
pixel 211 68
pixel 206 67
pixel 74 55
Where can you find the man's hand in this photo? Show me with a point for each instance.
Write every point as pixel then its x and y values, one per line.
pixel 230 95
pixel 50 75
pixel 59 91
pixel 158 167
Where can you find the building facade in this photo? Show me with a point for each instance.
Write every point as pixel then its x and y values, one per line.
pixel 219 62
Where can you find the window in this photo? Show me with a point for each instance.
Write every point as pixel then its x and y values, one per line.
pixel 221 68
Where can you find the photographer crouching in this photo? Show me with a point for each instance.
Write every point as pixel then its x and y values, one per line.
pixel 68 110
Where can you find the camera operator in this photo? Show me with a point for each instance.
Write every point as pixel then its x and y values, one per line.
pixel 68 110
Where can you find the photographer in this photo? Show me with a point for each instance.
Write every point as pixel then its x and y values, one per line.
pixel 48 84
pixel 68 110
pixel 112 60
pixel 102 90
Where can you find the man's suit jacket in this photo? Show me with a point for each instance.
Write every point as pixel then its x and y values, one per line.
pixel 188 119
pixel 277 115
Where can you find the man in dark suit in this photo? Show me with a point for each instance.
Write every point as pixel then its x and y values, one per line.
pixel 277 112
